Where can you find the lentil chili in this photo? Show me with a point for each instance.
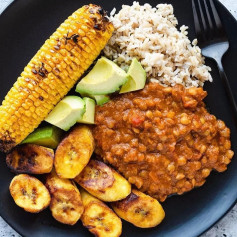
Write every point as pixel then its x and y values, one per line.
pixel 162 139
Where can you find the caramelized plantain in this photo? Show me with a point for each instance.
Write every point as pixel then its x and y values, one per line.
pixel 99 218
pixel 66 204
pixel 30 159
pixel 29 193
pixel 74 152
pixel 103 182
pixel 139 209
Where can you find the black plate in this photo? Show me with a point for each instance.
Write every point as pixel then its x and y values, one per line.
pixel 25 25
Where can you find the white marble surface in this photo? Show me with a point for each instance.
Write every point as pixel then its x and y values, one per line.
pixel 227 227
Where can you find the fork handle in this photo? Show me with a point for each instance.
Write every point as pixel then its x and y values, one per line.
pixel 228 88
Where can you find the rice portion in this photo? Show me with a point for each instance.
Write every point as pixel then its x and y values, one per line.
pixel 150 35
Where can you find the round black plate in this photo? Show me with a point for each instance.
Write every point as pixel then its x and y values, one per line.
pixel 25 25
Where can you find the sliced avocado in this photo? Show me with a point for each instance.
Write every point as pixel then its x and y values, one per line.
pixel 129 86
pixel 137 77
pixel 100 99
pixel 48 136
pixel 67 112
pixel 89 115
pixel 105 77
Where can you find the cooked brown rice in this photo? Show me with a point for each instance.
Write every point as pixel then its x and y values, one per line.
pixel 150 35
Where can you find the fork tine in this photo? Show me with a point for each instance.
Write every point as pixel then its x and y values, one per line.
pixel 208 15
pixel 202 17
pixel 216 16
pixel 196 21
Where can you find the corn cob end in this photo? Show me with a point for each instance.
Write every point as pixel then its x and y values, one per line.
pixel 6 145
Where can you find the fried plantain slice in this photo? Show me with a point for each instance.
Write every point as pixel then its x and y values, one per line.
pixel 139 209
pixel 103 182
pixel 29 193
pixel 74 152
pixel 66 204
pixel 99 218
pixel 30 159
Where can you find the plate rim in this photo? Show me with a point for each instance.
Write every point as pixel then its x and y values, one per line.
pixel 7 7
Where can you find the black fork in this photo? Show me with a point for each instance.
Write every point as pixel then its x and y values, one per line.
pixel 212 39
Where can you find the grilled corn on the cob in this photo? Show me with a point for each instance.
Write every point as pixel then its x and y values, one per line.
pixel 52 72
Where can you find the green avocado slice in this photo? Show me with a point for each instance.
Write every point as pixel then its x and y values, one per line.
pixel 137 77
pixel 105 77
pixel 67 112
pixel 100 99
pixel 89 115
pixel 48 136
